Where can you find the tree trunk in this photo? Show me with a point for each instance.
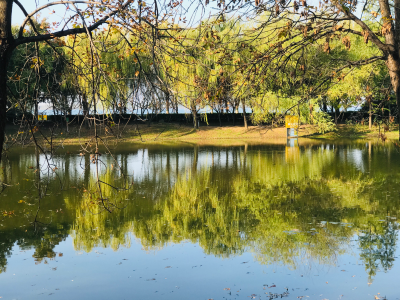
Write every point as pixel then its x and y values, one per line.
pixel 85 110
pixel 194 113
pixel 6 48
pixel 167 103
pixel 393 64
pixel 336 116
pixel 370 114
pixel 244 114
pixel 36 112
pixel 324 106
pixel 3 99
pixel 71 104
pixel 176 106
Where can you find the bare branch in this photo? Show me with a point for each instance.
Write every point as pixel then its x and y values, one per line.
pixel 97 24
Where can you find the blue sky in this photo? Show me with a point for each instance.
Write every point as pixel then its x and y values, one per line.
pixel 30 5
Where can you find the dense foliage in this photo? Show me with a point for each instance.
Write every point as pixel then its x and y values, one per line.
pixel 213 68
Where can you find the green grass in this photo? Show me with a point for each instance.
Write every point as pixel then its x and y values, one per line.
pixel 166 132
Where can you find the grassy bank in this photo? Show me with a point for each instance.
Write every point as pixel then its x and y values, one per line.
pixel 359 132
pixel 164 132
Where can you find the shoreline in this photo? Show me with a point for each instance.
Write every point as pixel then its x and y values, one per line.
pixel 173 133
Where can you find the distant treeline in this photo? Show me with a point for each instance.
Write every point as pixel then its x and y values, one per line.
pixel 203 119
pixel 214 119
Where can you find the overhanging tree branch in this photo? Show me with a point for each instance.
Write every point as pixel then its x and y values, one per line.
pixel 371 35
pixel 62 33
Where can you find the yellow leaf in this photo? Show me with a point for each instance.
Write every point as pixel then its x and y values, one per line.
pixel 137 73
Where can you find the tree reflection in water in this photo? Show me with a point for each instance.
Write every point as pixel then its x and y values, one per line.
pixel 286 208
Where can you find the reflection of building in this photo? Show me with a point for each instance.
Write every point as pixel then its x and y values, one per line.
pixel 292 151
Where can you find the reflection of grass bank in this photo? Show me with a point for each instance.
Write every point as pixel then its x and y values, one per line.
pixel 164 132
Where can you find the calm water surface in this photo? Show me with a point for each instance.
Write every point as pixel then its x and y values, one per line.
pixel 314 221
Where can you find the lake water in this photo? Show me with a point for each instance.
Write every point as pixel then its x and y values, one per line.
pixel 306 220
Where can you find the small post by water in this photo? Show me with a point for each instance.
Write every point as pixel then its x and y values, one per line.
pixel 291 123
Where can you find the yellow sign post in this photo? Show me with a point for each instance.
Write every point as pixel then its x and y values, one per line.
pixel 42 117
pixel 292 152
pixel 292 121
